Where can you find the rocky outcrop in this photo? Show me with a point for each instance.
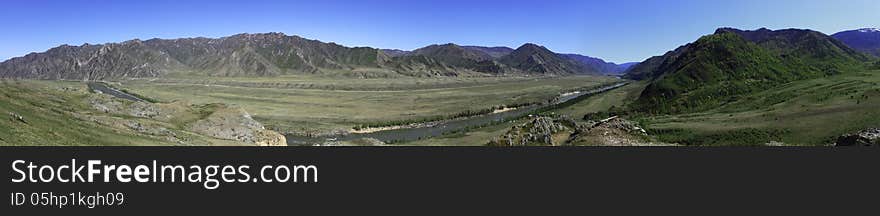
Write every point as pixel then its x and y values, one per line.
pixel 233 123
pixel 269 138
pixel 867 137
pixel 613 131
pixel 539 131
pixel 108 104
pixel 565 131
pixel 16 117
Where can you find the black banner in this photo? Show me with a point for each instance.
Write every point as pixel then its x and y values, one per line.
pixel 453 180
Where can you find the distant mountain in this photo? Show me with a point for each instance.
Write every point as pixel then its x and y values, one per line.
pixel 622 68
pixel 274 54
pixel 528 59
pixel 597 64
pixel 538 59
pixel 268 54
pixel 461 57
pixel 395 52
pixel 453 54
pixel 866 40
pixel 717 68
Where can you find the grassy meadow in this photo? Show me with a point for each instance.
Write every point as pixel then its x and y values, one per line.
pixel 807 112
pixel 317 105
pixel 59 113
pixel 46 110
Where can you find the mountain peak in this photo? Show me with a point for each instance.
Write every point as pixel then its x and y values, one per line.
pixel 726 29
pixel 869 30
pixel 535 58
pixel 531 46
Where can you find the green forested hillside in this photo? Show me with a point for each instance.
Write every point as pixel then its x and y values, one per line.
pixel 720 68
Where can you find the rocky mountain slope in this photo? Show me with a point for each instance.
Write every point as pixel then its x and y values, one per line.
pixel 460 57
pixel 866 40
pixel 274 54
pixel 495 52
pixel 239 55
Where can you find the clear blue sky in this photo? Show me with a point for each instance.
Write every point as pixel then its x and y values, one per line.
pixel 615 30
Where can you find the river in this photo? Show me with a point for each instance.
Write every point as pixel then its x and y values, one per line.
pixel 103 88
pixel 447 126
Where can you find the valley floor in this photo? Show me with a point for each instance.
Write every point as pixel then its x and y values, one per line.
pixel 320 106
pixel 803 113
pixel 808 112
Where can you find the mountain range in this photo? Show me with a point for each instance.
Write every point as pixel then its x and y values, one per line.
pixel 719 67
pixel 866 40
pixel 273 54
pixel 584 63
pixel 771 55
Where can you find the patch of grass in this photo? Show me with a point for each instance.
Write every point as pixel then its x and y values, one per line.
pixel 738 137
pixel 616 98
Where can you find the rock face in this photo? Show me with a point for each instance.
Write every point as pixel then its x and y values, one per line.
pixel 273 54
pixel 868 137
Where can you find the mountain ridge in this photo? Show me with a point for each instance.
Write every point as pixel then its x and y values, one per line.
pixel 866 40
pixel 605 68
pixel 536 58
pixel 274 54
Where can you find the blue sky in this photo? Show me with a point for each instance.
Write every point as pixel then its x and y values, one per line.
pixel 615 30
